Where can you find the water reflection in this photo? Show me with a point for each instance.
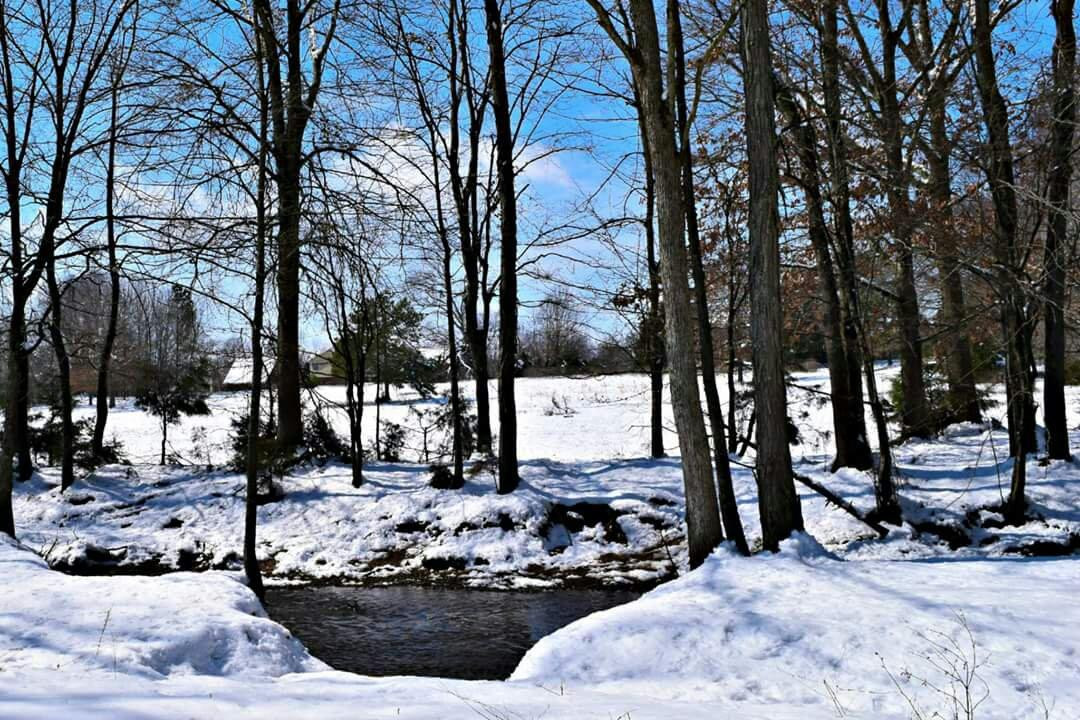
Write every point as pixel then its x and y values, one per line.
pixel 470 634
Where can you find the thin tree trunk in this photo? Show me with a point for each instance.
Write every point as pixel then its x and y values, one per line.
pixel 733 439
pixel 455 393
pixel 959 366
pixel 655 337
pixel 778 502
pixel 378 400
pixel 652 330
pixel 508 301
pixel 1056 253
pixel 63 363
pixel 353 356
pixel 915 415
pixel 164 439
pixel 251 488
pixel 105 361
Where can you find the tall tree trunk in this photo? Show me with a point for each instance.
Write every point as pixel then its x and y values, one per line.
pixel 778 502
pixel 915 415
pixel 508 302
pixel 290 411
pixel 105 361
pixel 13 445
pixel 933 63
pixel 251 487
pixel 1001 178
pixel 1057 253
pixel 849 424
pixel 732 360
pixel 654 330
pixel 378 381
pixel 291 101
pixel 729 510
pixel 704 529
pixel 464 189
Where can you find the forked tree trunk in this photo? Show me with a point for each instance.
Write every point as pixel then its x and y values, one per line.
pixel 849 423
pixel 855 337
pixel 916 414
pixel 1001 178
pixel 291 101
pixel 702 510
pixel 729 511
pixel 464 190
pixel 778 502
pixel 642 52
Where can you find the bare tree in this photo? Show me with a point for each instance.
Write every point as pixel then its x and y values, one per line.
pixel 777 499
pixel 294 76
pixel 882 80
pixel 508 301
pixel 729 511
pixel 938 61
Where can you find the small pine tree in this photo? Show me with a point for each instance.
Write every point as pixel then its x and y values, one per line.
pixel 176 397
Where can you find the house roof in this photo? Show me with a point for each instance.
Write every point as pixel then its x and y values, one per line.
pixel 241 371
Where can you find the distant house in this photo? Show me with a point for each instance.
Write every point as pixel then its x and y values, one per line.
pixel 241 373
pixel 323 369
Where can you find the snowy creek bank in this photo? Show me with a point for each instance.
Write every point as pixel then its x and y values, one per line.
pixel 583 526
pixel 440 632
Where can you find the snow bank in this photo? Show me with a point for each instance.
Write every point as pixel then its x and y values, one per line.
pixel 205 624
pixel 803 629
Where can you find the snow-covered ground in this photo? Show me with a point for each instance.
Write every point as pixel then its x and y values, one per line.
pixel 846 628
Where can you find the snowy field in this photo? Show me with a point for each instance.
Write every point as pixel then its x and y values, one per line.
pixel 841 625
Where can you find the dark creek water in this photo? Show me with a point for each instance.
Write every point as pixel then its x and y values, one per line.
pixel 469 634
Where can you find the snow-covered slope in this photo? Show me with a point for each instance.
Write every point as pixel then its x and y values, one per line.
pixel 802 628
